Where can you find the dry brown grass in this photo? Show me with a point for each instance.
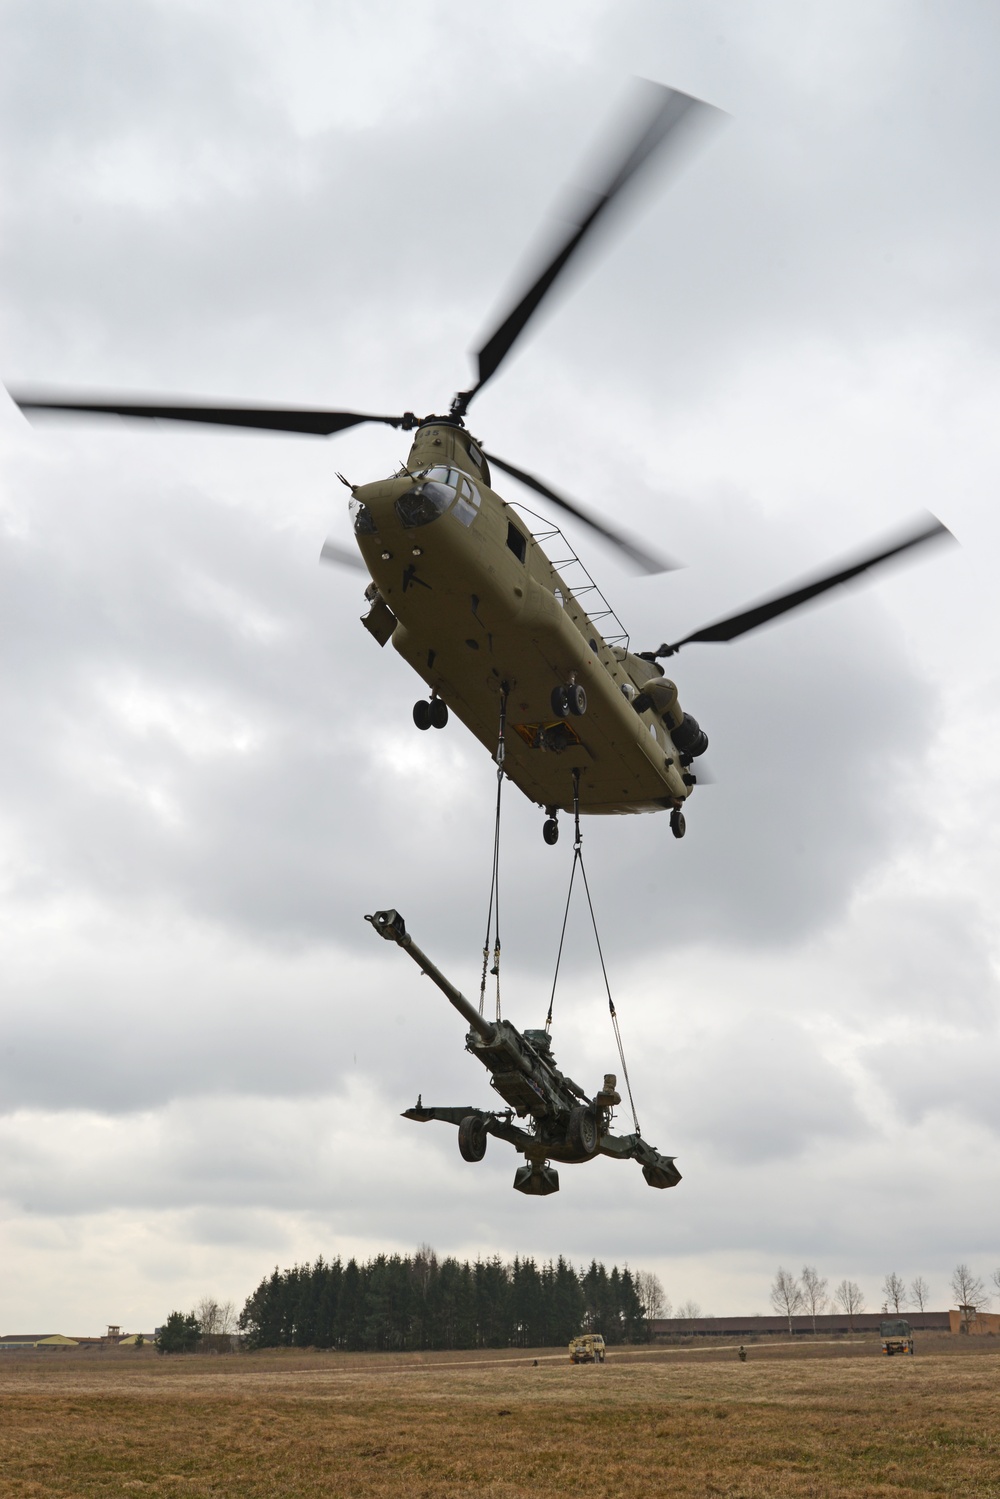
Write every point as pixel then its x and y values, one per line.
pixel 816 1420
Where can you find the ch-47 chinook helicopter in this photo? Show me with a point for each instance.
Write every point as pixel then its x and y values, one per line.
pixel 466 592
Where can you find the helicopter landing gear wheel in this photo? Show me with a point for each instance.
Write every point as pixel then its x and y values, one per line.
pixel 472 1138
pixel 584 1132
pixel 438 712
pixel 550 831
pixel 571 699
pixel 677 824
pixel 422 714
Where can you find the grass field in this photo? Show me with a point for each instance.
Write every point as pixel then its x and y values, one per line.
pixel 815 1419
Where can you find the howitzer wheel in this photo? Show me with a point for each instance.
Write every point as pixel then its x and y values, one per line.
pixel 472 1138
pixel 584 1132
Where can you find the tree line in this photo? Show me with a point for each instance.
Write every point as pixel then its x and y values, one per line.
pixel 413 1302
pixel 809 1294
pixel 409 1302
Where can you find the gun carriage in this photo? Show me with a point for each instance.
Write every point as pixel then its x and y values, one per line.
pixel 561 1122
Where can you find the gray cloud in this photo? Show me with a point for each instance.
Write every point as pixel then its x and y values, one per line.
pixel 929 1076
pixel 762 1092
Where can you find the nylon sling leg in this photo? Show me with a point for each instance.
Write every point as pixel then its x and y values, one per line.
pixel 578 859
pixel 493 911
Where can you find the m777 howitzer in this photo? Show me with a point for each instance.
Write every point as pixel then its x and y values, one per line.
pixel 565 1124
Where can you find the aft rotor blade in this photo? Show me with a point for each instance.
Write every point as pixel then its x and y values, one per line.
pixel 332 551
pixel 307 420
pixel 645 560
pixel 668 110
pixel 750 619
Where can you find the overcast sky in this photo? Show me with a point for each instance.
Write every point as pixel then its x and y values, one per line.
pixel 209 773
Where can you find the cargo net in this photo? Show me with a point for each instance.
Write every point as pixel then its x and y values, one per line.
pixel 579 864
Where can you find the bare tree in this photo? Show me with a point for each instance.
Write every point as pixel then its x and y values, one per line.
pixel 207 1313
pixel 970 1293
pixel 786 1295
pixel 688 1309
pixel 894 1292
pixel 652 1297
pixel 424 1265
pixel 814 1297
pixel 995 1277
pixel 920 1293
pixel 848 1296
pixel 217 1321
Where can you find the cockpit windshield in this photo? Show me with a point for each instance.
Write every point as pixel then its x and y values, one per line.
pixel 435 490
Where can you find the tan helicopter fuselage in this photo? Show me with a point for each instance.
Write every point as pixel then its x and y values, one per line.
pixel 471 601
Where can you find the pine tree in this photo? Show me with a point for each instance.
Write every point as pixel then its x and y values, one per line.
pixel 393 1302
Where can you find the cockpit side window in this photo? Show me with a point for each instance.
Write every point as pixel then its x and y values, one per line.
pixel 467 504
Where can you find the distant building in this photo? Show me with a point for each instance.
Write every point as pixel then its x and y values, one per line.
pixel 828 1324
pixel 31 1342
pixel 14 1341
pixel 967 1320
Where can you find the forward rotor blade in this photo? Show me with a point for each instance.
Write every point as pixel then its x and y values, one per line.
pixel 750 619
pixel 333 552
pixel 667 111
pixel 307 420
pixel 646 561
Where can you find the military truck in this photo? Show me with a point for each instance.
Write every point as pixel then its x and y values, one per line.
pixel 588 1348
pixel 896 1335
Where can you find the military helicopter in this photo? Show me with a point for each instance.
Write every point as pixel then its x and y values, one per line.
pixel 460 580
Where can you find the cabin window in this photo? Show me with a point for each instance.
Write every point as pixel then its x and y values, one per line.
pixel 477 457
pixel 516 541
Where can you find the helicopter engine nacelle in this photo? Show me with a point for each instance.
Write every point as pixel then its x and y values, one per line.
pixel 660 694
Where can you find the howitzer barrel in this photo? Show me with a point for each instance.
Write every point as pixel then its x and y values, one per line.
pixel 391 926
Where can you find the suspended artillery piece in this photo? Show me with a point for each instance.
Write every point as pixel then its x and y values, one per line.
pixel 566 1125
